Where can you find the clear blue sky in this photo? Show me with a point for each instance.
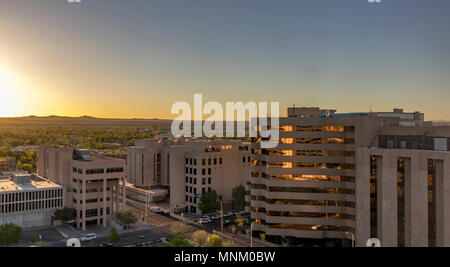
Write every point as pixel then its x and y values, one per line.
pixel 135 58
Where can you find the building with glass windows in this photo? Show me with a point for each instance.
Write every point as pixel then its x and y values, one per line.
pixel 311 189
pixel 187 168
pixel 403 187
pixel 29 200
pixel 96 185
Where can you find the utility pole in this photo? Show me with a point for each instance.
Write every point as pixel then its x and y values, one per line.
pixel 221 216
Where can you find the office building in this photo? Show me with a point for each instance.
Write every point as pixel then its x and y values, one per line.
pixel 187 168
pixel 311 189
pixel 29 200
pixel 95 184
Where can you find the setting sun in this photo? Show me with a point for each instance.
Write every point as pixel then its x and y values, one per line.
pixel 7 93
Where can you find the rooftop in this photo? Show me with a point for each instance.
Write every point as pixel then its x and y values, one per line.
pixel 8 184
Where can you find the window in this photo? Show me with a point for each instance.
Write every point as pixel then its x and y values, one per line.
pixel 203 162
pixel 187 161
pixel 187 179
pixel 190 161
pixel 187 189
pixel 114 170
pixel 209 189
pixel 94 171
pixel 203 172
pixel 195 180
pixel 203 181
pixel 243 160
pixel 74 169
pixel 209 180
pixel 203 190
pixel 209 171
pixel 220 161
pixel 195 171
pixel 195 190
pixel 209 161
pixel 195 162
pixel 215 161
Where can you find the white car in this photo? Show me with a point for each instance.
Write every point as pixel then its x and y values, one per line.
pixel 88 237
pixel 216 217
pixel 239 212
pixel 228 214
pixel 204 221
pixel 155 209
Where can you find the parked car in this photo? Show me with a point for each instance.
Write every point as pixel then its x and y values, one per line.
pixel 204 221
pixel 165 213
pixel 227 222
pixel 216 217
pixel 228 214
pixel 106 245
pixel 88 237
pixel 239 212
pixel 155 209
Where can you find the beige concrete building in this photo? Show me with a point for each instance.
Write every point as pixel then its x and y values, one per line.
pixel 95 184
pixel 29 200
pixel 310 189
pixel 187 168
pixel 403 188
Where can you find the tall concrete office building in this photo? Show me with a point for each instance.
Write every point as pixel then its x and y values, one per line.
pixel 187 168
pixel 95 184
pixel 314 187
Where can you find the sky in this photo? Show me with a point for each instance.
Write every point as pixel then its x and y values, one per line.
pixel 136 58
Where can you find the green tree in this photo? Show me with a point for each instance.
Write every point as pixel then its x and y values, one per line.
pixel 126 218
pixel 10 234
pixel 65 214
pixel 113 236
pixel 214 241
pixel 240 222
pixel 238 196
pixel 179 240
pixel 33 239
pixel 209 202
pixel 200 237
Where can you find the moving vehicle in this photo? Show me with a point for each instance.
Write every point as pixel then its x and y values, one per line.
pixel 88 237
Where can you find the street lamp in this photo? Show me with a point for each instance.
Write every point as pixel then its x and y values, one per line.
pixel 353 238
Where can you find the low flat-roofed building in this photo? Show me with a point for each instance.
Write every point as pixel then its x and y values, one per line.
pixel 29 200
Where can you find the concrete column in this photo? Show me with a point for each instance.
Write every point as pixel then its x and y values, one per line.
pixel 104 202
pixel 362 197
pixel 83 206
pixel 124 194
pixel 443 203
pixel 416 201
pixel 387 199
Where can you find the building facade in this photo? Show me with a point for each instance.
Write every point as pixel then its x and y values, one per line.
pixel 187 168
pixel 403 188
pixel 310 188
pixel 96 185
pixel 29 200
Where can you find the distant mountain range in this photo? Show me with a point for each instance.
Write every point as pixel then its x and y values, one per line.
pixel 83 121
